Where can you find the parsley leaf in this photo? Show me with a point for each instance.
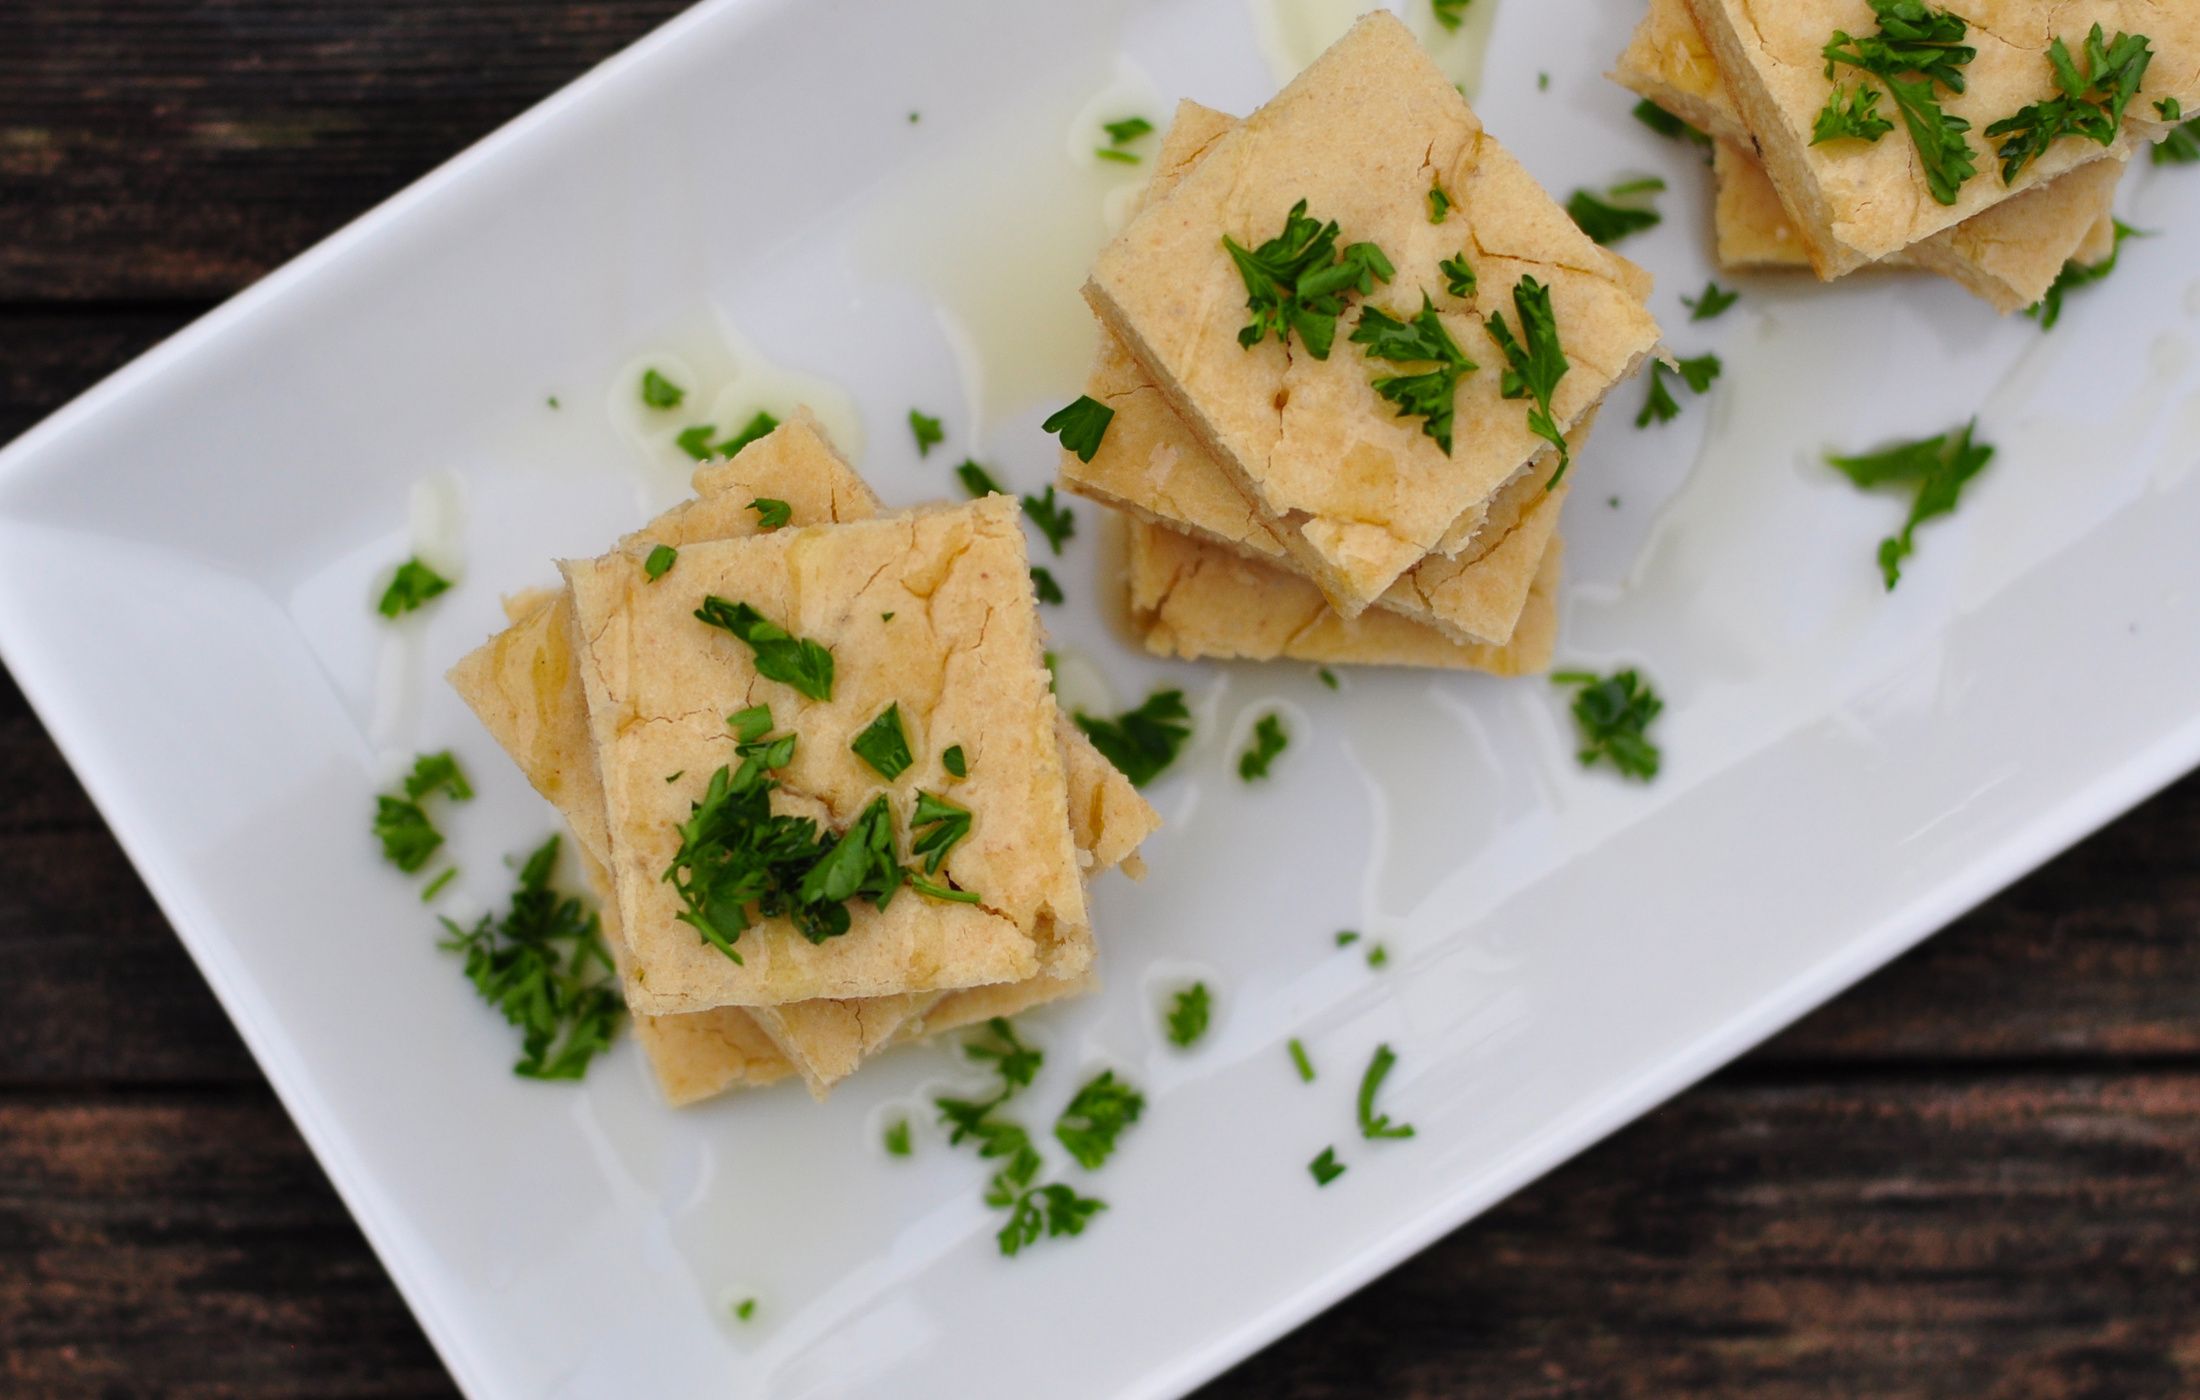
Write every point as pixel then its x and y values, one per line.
pixel 1189 1015
pixel 410 588
pixel 1665 124
pixel 1097 1117
pixel 544 965
pixel 1536 366
pixel 1661 406
pixel 1269 740
pixel 936 828
pixel 1939 468
pixel 1606 221
pixel 1120 157
pixel 897 1138
pixel 1326 1168
pixel 1918 48
pixel 771 513
pixel 883 745
pixel 1141 743
pixel 928 432
pixel 1450 13
pixel 744 1310
pixel 437 772
pixel 780 656
pixel 1459 278
pixel 1850 115
pixel 1712 304
pixel 660 562
pixel 660 392
pixel 1347 937
pixel 978 481
pixel 1296 281
pixel 1042 583
pixel 2091 104
pixel 1375 1125
pixel 1301 1062
pixel 1129 129
pixel 954 762
pixel 434 887
pixel 860 862
pixel 402 825
pixel 1439 204
pixel 2182 145
pixel 1017 1063
pixel 1066 1213
pixel 2074 275
pixel 695 441
pixel 1429 395
pixel 1612 714
pixel 1328 677
pixel 760 426
pixel 1080 425
pixel 1053 519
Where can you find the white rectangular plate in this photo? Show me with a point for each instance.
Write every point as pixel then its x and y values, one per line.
pixel 188 555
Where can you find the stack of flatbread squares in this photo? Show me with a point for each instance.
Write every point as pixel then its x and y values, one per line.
pixel 1835 194
pixel 668 676
pixel 1334 456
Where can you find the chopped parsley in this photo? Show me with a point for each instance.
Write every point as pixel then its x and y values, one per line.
pixel 954 762
pixel 927 432
pixel 2182 145
pixel 1327 677
pixel 1042 583
pixel 660 392
pixel 761 426
pixel 1129 129
pixel 1301 1062
pixel 1050 1210
pixel 695 441
pixel 1450 13
pixel 883 745
pixel 1612 716
pixel 1918 50
pixel 780 656
pixel 978 481
pixel 1347 937
pixel 1189 1014
pixel 436 886
pixel 1142 743
pixel 1712 304
pixel 1378 957
pixel 1439 204
pixel 1269 740
pixel 1296 282
pixel 2074 275
pixel 1016 1063
pixel 544 965
pixel 1080 425
pixel 897 1138
pixel 771 513
pixel 1665 124
pixel 1535 362
pixel 1459 277
pixel 410 588
pixel 2091 102
pixel 1119 157
pixel 1065 1213
pixel 1326 1168
pixel 1620 212
pixel 1936 468
pixel 1053 519
pixel 745 1309
pixel 1429 395
pixel 660 562
pixel 1375 1125
pixel 1095 1118
pixel 936 828
pixel 401 823
pixel 1660 406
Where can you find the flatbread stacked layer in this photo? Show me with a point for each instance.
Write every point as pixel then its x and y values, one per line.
pixel 616 700
pixel 1279 505
pixel 1752 77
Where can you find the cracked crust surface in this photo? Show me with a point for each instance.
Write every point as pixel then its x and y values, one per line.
pixel 1854 203
pixel 1192 599
pixel 960 655
pixel 1358 494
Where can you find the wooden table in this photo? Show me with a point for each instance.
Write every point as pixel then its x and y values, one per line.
pixel 1973 1176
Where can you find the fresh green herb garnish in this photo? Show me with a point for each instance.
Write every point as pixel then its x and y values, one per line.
pixel 1535 362
pixel 411 587
pixel 2074 275
pixel 1097 1117
pixel 954 762
pixel 770 513
pixel 1459 278
pixel 883 745
pixel 935 829
pixel 1119 157
pixel 1141 743
pixel 1450 13
pixel 1612 715
pixel 1326 1168
pixel 695 441
pixel 1189 1014
pixel 761 426
pixel 660 562
pixel 946 894
pixel 1129 129
pixel 1372 1124
pixel 1378 957
pixel 1347 937
pixel 544 965
pixel 1296 282
pixel 1918 48
pixel 978 481
pixel 897 1138
pixel 1080 424
pixel 436 886
pixel 1712 304
pixel 745 1309
pixel 1327 677
pixel 2091 104
pixel 1429 395
pixel 438 772
pixel 1066 1213
pixel 1054 520
pixel 1660 406
pixel 927 431
pixel 1665 124
pixel 1051 1210
pixel 2182 145
pixel 553 401
pixel 1015 1062
pixel 1606 221
pixel 1042 583
pixel 780 656
pixel 1937 468
pixel 1439 204
pixel 1301 1062
pixel 1268 741
pixel 660 392
pixel 401 824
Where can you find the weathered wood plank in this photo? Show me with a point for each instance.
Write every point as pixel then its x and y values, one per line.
pixel 152 148
pixel 49 357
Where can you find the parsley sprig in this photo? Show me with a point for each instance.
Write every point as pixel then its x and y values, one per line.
pixel 1051 517
pixel 1935 468
pixel 1660 406
pixel 1143 742
pixel 1080 424
pixel 2090 101
pixel 1612 716
pixel 410 588
pixel 1918 50
pixel 1621 210
pixel 2075 275
pixel 1269 740
pixel 1373 1125
pixel 1431 394
pixel 1296 282
pixel 1535 361
pixel 1096 1117
pixel 1053 1209
pixel 402 824
pixel 1189 1015
pixel 780 656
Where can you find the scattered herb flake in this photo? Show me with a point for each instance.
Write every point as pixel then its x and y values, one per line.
pixel 761 426
pixel 1660 406
pixel 2182 145
pixel 1269 740
pixel 695 441
pixel 1712 304
pixel 410 588
pixel 1301 1061
pixel 1430 394
pixel 1347 937
pixel 1295 283
pixel 1607 222
pixel 1189 1014
pixel 745 1309
pixel 660 392
pixel 1665 124
pixel 1053 519
pixel 1612 716
pixel 1119 157
pixel 2075 275
pixel 1535 362
pixel 1080 424
pixel 1129 129
pixel 780 656
pixel 935 829
pixel 1095 1118
pixel 660 562
pixel 977 480
pixel 1375 1125
pixel 1378 957
pixel 1937 468
pixel 1143 742
pixel 883 745
pixel 1042 582
pixel 954 762
pixel 1326 1168
pixel 897 1138
pixel 927 431
pixel 437 885
pixel 1328 677
pixel 1450 13
pixel 1459 278
pixel 1439 204
pixel 771 513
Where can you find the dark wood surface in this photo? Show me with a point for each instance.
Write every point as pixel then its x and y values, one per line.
pixel 1974 1175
